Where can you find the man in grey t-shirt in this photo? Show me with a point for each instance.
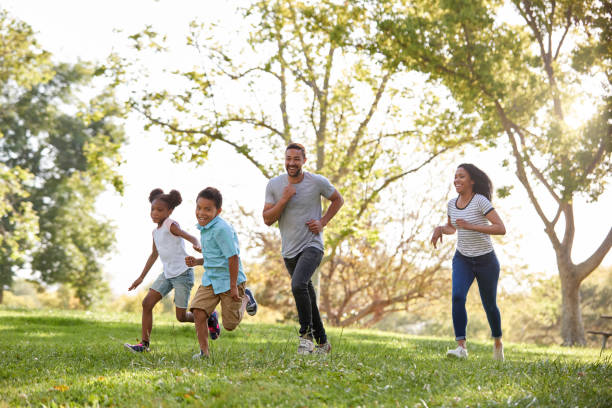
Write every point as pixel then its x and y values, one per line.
pixel 294 200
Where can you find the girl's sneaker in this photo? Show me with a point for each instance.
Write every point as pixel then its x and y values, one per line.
pixel 213 326
pixel 251 306
pixel 459 352
pixel 498 353
pixel 136 348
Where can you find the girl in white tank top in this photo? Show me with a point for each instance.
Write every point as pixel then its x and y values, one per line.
pixel 168 244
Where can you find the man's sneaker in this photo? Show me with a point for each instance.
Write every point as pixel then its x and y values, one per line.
pixel 213 326
pixel 199 356
pixel 324 348
pixel 498 353
pixel 251 306
pixel 136 348
pixel 306 346
pixel 459 352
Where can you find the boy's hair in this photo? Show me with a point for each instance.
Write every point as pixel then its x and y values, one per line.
pixel 211 193
pixel 172 199
pixel 297 146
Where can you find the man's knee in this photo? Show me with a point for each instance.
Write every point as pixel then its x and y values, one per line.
pixel 459 299
pixel 199 316
pixel 298 286
pixel 181 315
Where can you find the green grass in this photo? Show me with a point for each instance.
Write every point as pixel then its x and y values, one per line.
pixel 60 358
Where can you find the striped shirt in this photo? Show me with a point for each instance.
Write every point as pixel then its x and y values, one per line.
pixel 472 243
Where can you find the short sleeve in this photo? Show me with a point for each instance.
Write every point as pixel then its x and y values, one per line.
pixel 448 207
pixel 168 223
pixel 484 205
pixel 224 237
pixel 270 194
pixel 325 187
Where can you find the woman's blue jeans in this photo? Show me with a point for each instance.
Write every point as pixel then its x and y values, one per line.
pixel 485 269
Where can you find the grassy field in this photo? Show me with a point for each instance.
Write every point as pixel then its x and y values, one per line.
pixel 59 358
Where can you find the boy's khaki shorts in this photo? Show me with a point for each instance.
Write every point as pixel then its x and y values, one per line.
pixel 231 310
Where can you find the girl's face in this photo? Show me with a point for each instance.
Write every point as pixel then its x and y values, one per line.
pixel 159 211
pixel 206 211
pixel 463 181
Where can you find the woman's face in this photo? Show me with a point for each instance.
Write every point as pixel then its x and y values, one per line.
pixel 463 182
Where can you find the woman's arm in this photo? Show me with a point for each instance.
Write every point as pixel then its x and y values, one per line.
pixel 440 230
pixel 495 228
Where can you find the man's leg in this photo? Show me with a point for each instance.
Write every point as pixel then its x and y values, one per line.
pixel 201 326
pixel 302 288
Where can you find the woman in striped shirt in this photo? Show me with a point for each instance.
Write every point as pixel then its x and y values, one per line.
pixel 475 220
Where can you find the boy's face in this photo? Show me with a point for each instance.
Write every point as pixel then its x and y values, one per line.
pixel 206 211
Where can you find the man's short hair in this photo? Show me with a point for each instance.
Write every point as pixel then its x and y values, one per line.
pixel 296 146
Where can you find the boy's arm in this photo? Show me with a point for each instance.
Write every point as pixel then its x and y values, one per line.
pixel 150 261
pixel 176 230
pixel 233 262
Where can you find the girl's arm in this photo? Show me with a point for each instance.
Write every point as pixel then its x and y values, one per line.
pixel 495 228
pixel 447 229
pixel 150 261
pixel 176 230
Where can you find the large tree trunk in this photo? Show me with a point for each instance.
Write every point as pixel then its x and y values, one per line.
pixel 1 294
pixel 572 329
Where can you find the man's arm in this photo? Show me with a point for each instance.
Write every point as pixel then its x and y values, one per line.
pixel 316 226
pixel 272 212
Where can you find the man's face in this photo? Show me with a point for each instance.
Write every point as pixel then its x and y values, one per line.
pixel 294 160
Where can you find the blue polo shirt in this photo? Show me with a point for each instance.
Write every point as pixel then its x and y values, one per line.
pixel 219 242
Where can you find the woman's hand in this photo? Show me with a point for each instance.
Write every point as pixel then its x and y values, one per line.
pixel 437 235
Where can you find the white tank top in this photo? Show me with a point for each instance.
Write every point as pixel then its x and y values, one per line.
pixel 171 249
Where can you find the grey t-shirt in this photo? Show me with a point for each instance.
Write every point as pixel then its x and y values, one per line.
pixel 304 206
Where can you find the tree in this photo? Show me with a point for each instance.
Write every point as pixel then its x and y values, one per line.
pixel 67 146
pixel 522 81
pixel 329 94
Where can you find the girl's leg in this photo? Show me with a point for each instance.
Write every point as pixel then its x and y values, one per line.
pixel 183 315
pixel 148 303
pixel 201 325
pixel 182 285
pixel 487 275
pixel 462 280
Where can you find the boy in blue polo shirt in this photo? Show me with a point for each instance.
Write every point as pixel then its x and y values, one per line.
pixel 223 280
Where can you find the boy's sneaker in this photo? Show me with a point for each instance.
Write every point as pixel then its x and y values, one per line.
pixel 498 353
pixel 306 346
pixel 136 348
pixel 251 306
pixel 213 326
pixel 459 352
pixel 324 348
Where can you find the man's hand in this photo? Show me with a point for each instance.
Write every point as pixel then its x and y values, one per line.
pixel 197 247
pixel 234 293
pixel 315 226
pixel 135 283
pixel 288 191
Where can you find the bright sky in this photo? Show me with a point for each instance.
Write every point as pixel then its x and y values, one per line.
pixel 85 29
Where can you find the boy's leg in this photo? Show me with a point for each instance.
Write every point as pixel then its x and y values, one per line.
pixel 148 304
pixel 232 311
pixel 201 326
pixel 202 306
pixel 182 288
